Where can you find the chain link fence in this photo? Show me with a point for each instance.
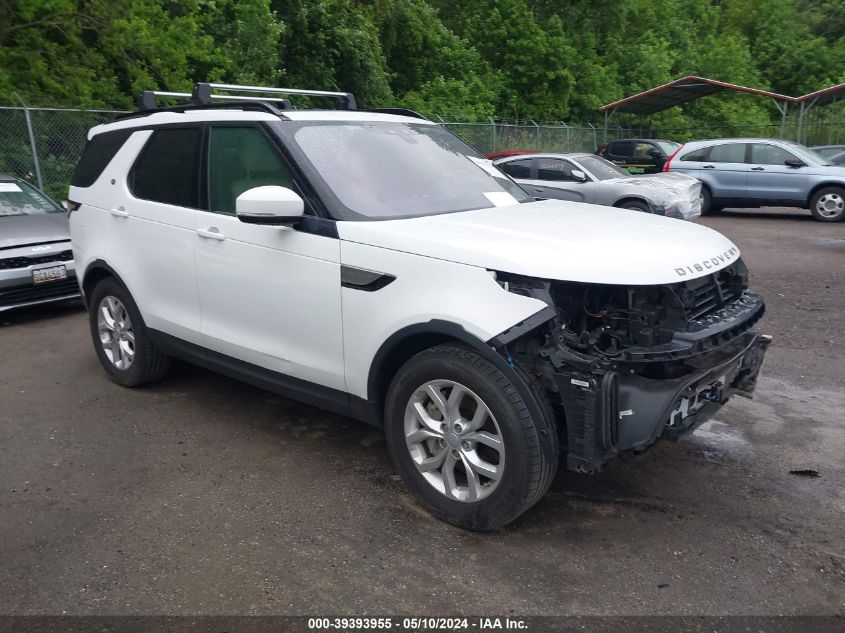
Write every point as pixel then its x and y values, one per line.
pixel 42 145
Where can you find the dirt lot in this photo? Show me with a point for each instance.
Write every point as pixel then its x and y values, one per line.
pixel 201 495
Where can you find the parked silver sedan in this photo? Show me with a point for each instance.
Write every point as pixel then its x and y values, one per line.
pixel 590 178
pixel 36 260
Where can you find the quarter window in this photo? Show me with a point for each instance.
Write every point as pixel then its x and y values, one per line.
pixel 727 153
pixel 167 170
pixel 696 156
pixel 765 154
pixel 242 158
pixel 517 168
pixel 97 154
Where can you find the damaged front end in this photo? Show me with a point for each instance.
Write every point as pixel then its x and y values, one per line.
pixel 628 365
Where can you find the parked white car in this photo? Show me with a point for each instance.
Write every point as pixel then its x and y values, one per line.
pixel 374 264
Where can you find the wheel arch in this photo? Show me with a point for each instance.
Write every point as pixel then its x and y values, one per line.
pixel 410 340
pixel 95 272
pixel 823 185
pixel 632 198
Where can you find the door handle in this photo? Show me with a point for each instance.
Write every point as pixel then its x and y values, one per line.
pixel 709 167
pixel 119 213
pixel 539 189
pixel 212 233
pixel 757 169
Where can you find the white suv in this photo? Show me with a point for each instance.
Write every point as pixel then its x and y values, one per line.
pixel 372 263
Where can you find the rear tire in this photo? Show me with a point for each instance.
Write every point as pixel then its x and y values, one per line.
pixel 120 337
pixel 828 204
pixel 464 440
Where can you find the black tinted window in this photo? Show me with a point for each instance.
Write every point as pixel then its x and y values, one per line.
pixel 97 154
pixel 622 148
pixel 167 169
pixel 517 168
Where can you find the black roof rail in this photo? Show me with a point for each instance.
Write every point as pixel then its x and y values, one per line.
pixel 247 104
pixel 202 95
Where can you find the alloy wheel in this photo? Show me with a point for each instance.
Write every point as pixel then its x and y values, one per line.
pixel 454 440
pixel 116 334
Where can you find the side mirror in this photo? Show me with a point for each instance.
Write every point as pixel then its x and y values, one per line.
pixel 269 205
pixel 794 162
pixel 578 175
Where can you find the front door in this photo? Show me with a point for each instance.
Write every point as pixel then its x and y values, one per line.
pixel 770 179
pixel 554 180
pixel 269 295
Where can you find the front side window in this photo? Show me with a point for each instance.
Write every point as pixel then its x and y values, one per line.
pixel 241 158
pixel 727 153
pixel 644 150
pixel 168 168
pixel 18 198
pixel 382 170
pixel 517 168
pixel 765 154
pixel 601 169
pixel 554 169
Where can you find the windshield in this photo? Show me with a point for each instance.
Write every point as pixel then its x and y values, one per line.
pixel 668 147
pixel 18 198
pixel 600 168
pixel 387 170
pixel 807 155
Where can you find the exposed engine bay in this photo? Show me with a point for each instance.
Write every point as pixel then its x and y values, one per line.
pixel 627 365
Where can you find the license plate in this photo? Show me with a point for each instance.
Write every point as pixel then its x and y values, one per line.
pixel 45 275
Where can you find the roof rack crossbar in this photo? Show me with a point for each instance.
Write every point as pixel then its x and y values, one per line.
pixel 202 95
pixel 202 91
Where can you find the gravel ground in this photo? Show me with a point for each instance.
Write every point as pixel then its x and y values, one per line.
pixel 202 495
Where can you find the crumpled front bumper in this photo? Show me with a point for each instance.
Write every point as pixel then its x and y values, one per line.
pixel 615 413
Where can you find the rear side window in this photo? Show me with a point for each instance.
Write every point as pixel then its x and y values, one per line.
pixel 517 168
pixel 621 148
pixel 97 154
pixel 727 153
pixel 167 170
pixel 696 155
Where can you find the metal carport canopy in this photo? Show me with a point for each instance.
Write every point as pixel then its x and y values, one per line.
pixel 682 91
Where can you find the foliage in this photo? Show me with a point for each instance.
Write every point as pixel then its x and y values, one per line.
pixel 542 60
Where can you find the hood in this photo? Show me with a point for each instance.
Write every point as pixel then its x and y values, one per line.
pixel 567 241
pixel 20 230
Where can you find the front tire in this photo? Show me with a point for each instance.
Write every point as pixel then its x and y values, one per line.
pixel 828 204
pixel 633 205
pixel 120 337
pixel 464 441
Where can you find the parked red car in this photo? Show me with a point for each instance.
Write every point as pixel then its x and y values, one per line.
pixel 510 152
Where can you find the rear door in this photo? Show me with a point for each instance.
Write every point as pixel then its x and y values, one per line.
pixel 269 295
pixel 725 170
pixel 156 224
pixel 770 179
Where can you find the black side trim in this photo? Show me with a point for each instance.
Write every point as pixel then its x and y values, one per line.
pixel 532 322
pixel 288 386
pixel 97 264
pixel 363 279
pixel 452 330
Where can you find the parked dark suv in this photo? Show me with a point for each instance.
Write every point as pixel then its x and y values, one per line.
pixel 638 155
